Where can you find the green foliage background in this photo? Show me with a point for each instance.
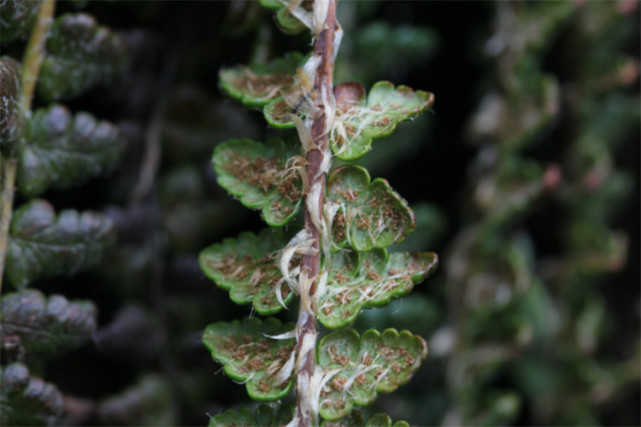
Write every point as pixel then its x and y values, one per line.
pixel 531 200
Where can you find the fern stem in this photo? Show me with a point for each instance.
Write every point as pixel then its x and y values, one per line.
pixel 316 176
pixel 31 64
pixel 8 169
pixel 33 56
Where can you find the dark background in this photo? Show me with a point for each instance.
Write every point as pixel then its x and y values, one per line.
pixel 183 44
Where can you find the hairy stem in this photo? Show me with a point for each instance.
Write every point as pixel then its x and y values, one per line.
pixel 316 176
pixel 8 166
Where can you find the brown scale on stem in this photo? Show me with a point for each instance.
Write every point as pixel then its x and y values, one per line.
pixel 310 265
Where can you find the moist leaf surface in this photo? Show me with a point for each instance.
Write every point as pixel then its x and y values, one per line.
pixel 79 54
pixel 18 16
pixel 355 419
pixel 248 354
pixel 361 119
pixel 248 268
pixel 25 400
pixel 43 244
pixel 258 84
pixel 46 325
pixel 357 368
pixel 370 213
pixel 369 279
pixel 62 150
pixel 259 175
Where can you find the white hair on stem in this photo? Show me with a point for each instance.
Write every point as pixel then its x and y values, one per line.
pixel 283 336
pixel 329 104
pixel 321 287
pixel 286 370
pixel 306 349
pixel 293 7
pixel 313 207
pixel 301 243
pixel 321 8
pixel 338 37
pixel 319 379
pixel 279 294
pixel 303 133
pixel 305 285
pixel 330 209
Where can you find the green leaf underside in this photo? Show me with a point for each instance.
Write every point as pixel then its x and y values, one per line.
pixel 62 150
pixel 359 280
pixel 249 355
pixel 79 54
pixel 359 120
pixel 46 325
pixel 11 119
pixel 43 245
pixel 25 400
pixel 376 362
pixel 258 84
pixel 258 174
pixel 278 114
pixel 288 23
pixel 271 4
pixel 384 420
pixel 371 214
pixel 264 415
pixel 18 17
pixel 355 419
pixel 247 267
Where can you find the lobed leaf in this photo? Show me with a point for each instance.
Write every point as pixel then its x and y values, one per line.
pixel 259 175
pixel 61 150
pixel 248 268
pixel 43 245
pixel 359 120
pixel 288 23
pixel 264 415
pixel 360 280
pixel 278 112
pixel 355 419
pixel 11 117
pixel 46 325
pixel 384 420
pixel 248 354
pixel 25 400
pixel 286 12
pixel 16 18
pixel 258 84
pixel 358 368
pixel 79 54
pixel 147 403
pixel 370 214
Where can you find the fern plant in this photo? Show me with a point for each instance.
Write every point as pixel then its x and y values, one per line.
pixel 40 149
pixel 527 327
pixel 335 263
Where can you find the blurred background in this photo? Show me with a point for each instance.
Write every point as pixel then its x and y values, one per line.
pixel 524 179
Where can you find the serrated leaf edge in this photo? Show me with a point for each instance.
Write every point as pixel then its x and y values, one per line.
pixel 344 134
